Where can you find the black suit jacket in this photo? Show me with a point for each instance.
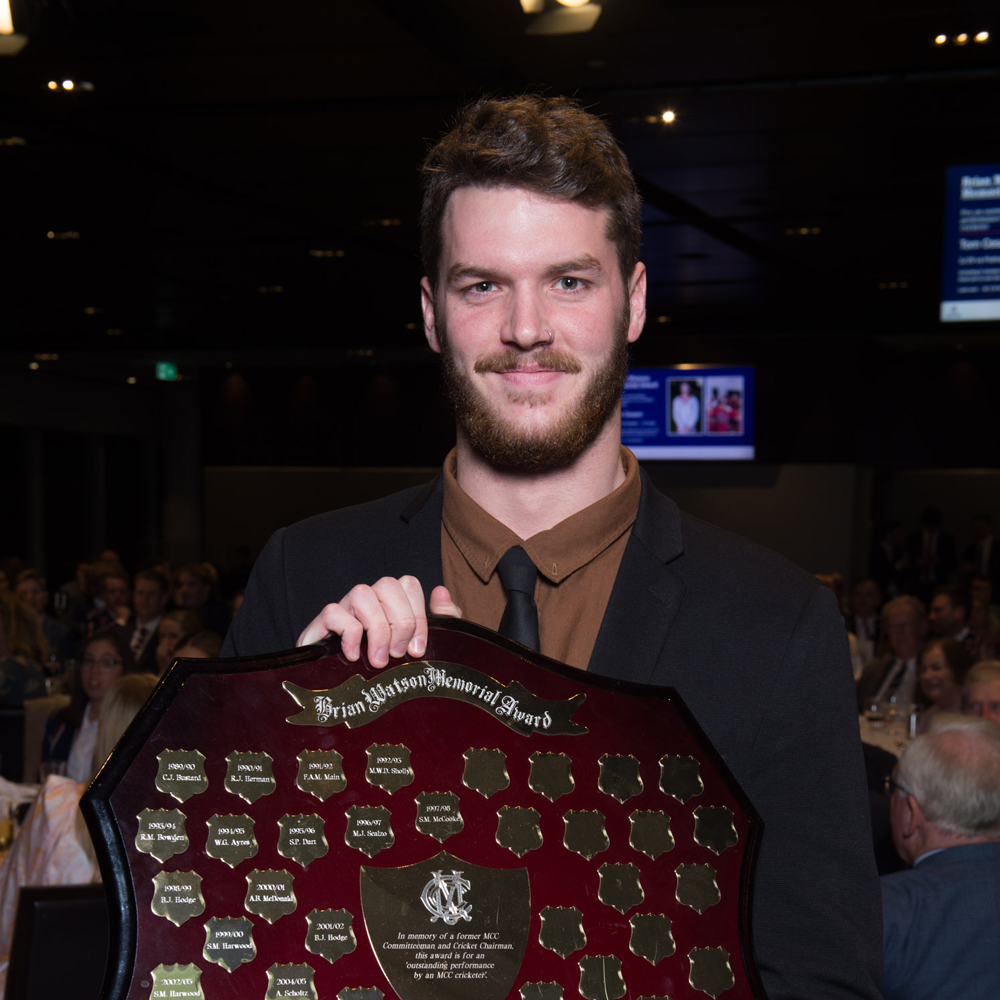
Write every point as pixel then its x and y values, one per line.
pixel 754 645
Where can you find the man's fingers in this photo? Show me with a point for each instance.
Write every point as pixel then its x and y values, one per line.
pixel 442 604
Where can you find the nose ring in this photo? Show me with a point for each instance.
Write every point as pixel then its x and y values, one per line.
pixel 549 341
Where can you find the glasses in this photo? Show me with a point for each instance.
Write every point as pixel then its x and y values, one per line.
pixel 890 786
pixel 104 663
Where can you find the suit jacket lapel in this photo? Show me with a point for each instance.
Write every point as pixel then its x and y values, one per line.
pixel 418 546
pixel 647 593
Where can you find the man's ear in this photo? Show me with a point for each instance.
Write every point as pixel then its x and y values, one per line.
pixel 914 819
pixel 427 307
pixel 637 302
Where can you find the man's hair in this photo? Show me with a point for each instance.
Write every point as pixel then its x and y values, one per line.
pixel 548 145
pixel 32 574
pixel 155 576
pixel 984 670
pixel 904 601
pixel 958 596
pixel 954 773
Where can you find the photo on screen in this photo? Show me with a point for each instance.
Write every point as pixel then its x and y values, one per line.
pixel 686 410
pixel 724 401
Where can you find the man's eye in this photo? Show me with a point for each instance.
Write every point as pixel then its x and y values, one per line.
pixel 569 284
pixel 482 287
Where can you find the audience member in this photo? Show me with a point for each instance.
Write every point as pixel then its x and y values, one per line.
pixel 111 605
pixel 71 733
pixel 888 565
pixel 197 589
pixel 173 627
pixel 981 691
pixel 981 589
pixel 23 650
pixel 931 552
pixel 941 671
pixel 894 677
pixel 984 638
pixel 981 557
pixel 150 596
pixel 53 847
pixel 941 920
pixel 863 620
pixel 33 590
pixel 948 615
pixel 203 645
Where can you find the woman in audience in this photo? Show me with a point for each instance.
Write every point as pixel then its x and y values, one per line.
pixel 23 650
pixel 71 733
pixel 53 847
pixel 174 625
pixel 941 669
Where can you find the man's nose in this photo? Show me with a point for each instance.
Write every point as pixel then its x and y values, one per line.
pixel 526 325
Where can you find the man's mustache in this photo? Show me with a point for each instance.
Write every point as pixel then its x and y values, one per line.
pixel 541 359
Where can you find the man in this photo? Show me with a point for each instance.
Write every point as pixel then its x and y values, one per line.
pixel 685 410
pixel 150 597
pixel 33 590
pixel 532 292
pixel 948 615
pixel 111 605
pixel 864 618
pixel 981 557
pixel 894 677
pixel 981 691
pixel 941 920
pixel 197 589
pixel 931 551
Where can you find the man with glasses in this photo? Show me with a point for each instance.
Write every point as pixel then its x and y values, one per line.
pixel 894 677
pixel 941 919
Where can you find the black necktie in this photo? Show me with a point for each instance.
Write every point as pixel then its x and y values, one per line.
pixel 520 617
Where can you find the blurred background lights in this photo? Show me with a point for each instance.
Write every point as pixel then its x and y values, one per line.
pixel 573 3
pixel 961 39
pixel 983 36
pixel 68 84
pixel 668 117
pixel 131 380
pixel 940 39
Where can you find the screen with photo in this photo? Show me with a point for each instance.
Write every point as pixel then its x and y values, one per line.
pixel 972 244
pixel 688 412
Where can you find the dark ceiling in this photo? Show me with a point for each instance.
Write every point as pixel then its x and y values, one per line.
pixel 242 175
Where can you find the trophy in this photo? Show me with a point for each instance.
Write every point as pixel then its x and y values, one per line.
pixel 477 824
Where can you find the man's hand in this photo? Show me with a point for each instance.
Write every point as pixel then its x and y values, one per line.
pixel 392 614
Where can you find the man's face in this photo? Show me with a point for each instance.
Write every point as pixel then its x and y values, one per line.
pixel 982 698
pixel 34 595
pixel 148 599
pixel 191 592
pixel 866 598
pixel 533 322
pixel 115 591
pixel 685 390
pixel 982 589
pixel 945 619
pixel 906 630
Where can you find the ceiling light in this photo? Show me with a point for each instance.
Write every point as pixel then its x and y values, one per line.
pixel 52 85
pixel 983 36
pixel 573 3
pixel 940 39
pixel 560 17
pixel 131 380
pixel 668 116
pixel 961 39
pixel 6 18
pixel 34 365
pixel 68 84
pixel 46 357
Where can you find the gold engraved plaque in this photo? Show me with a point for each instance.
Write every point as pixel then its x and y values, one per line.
pixel 231 839
pixel 680 777
pixel 485 771
pixel 438 815
pixel 181 773
pixel 229 942
pixel 270 894
pixel 360 993
pixel 518 829
pixel 620 886
pixel 290 982
pixel 369 829
pixel 330 934
pixel 176 981
pixel 389 766
pixel 562 930
pixel 601 977
pixel 447 928
pixel 541 991
pixel 619 776
pixel 697 887
pixel 550 775
pixel 302 838
pixel 177 896
pixel 585 833
pixel 713 828
pixel 651 833
pixel 651 937
pixel 161 833
pixel 710 971
pixel 249 775
pixel 321 773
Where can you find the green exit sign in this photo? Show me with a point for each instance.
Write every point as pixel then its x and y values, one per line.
pixel 166 371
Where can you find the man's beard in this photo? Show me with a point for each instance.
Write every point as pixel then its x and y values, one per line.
pixel 506 446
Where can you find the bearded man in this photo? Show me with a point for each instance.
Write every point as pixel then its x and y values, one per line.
pixel 533 291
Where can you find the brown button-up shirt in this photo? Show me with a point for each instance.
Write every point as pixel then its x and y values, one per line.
pixel 577 562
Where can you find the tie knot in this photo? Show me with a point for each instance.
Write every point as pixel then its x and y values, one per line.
pixel 517 571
